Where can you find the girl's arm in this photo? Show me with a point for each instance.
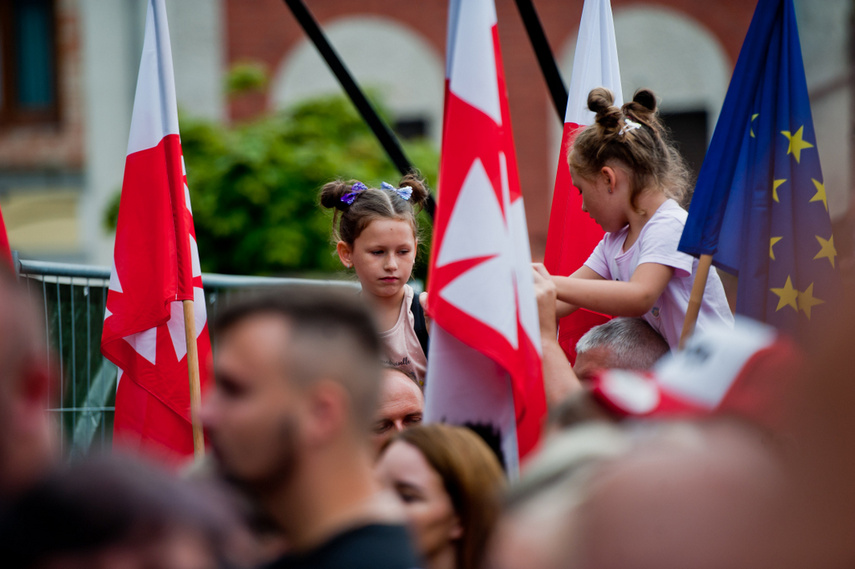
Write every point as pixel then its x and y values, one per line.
pixel 562 307
pixel 633 298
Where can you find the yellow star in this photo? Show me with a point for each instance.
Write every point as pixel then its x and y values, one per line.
pixel 772 242
pixel 753 118
pixel 797 143
pixel 807 300
pixel 820 193
pixel 787 296
pixel 775 185
pixel 827 250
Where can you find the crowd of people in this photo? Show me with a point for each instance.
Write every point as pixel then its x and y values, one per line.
pixel 734 452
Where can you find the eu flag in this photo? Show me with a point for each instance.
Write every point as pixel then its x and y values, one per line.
pixel 760 206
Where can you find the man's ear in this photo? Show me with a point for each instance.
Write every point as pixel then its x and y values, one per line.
pixel 345 253
pixel 327 410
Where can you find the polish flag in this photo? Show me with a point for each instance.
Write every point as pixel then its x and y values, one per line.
pixel 485 365
pixel 155 268
pixel 572 234
pixel 5 250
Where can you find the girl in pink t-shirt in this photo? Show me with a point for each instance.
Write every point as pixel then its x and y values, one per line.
pixel 632 179
pixel 376 233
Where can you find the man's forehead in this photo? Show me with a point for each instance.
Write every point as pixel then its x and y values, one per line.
pixel 255 340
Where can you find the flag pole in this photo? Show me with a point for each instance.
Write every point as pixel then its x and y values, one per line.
pixel 545 59
pixel 195 383
pixel 380 129
pixel 695 298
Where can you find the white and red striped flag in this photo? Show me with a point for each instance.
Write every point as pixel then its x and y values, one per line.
pixel 155 268
pixel 485 364
pixel 572 234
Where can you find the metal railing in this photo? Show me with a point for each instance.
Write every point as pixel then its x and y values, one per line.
pixel 73 299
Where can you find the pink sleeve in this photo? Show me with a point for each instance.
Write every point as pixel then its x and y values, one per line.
pixel 597 262
pixel 659 245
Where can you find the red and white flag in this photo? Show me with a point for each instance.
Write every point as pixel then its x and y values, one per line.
pixel 155 268
pixel 485 365
pixel 5 250
pixel 572 234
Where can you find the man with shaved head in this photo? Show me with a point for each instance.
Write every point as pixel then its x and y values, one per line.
pixel 290 417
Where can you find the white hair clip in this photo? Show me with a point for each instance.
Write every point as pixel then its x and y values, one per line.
pixel 628 125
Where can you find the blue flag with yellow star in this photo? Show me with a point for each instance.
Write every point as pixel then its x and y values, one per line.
pixel 759 206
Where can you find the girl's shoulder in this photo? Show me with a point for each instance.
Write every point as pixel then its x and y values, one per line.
pixel 669 217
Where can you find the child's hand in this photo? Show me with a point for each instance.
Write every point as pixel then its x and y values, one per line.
pixel 561 308
pixel 423 300
pixel 546 294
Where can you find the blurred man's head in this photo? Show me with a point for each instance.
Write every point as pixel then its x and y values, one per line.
pixel 27 437
pixel 297 376
pixel 401 405
pixel 620 343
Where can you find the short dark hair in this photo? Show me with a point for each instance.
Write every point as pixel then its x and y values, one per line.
pixel 332 336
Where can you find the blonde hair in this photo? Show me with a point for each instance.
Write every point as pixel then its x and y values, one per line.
pixel 635 136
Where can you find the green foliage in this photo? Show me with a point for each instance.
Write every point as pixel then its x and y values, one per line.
pixel 246 77
pixel 254 187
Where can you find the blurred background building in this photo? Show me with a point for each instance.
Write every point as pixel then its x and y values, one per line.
pixel 68 73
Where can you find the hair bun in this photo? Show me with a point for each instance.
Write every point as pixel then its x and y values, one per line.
pixel 420 191
pixel 646 99
pixel 600 100
pixel 332 193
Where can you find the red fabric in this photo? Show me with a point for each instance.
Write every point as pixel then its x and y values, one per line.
pixel 153 270
pixel 478 159
pixel 5 250
pixel 156 268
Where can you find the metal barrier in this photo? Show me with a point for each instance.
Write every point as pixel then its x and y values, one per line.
pixel 73 299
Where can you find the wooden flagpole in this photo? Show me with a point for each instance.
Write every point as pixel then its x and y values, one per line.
pixel 695 298
pixel 195 383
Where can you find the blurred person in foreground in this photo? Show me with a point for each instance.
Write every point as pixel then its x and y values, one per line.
pixel 297 377
pixel 401 405
pixel 675 493
pixel 738 453
pixel 110 511
pixel 28 440
pixel 449 482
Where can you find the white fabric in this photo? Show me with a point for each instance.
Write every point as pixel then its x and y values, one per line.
pixel 403 349
pixel 595 63
pixel 713 361
pixel 155 110
pixel 473 46
pixel 657 243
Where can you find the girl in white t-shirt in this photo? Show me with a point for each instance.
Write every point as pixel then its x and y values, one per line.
pixel 632 179
pixel 376 233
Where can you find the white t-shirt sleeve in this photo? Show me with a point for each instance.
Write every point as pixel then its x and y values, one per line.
pixel 597 262
pixel 659 245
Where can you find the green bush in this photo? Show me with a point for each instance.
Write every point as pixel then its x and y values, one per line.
pixel 254 187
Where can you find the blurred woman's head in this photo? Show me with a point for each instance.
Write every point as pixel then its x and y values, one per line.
pixel 449 482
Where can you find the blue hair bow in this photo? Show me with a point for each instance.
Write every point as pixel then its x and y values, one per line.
pixel 355 190
pixel 404 192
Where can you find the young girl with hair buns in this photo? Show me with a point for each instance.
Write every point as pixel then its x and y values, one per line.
pixel 376 234
pixel 632 182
